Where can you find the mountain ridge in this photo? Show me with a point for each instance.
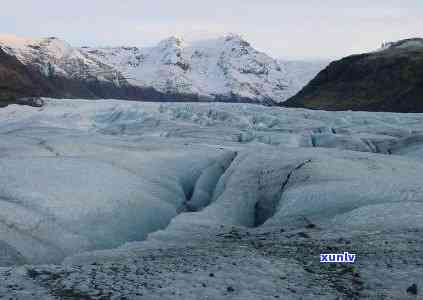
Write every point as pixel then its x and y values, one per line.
pixel 226 69
pixel 215 68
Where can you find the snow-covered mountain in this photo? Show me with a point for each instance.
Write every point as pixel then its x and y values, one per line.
pixel 55 57
pixel 223 69
pixel 226 68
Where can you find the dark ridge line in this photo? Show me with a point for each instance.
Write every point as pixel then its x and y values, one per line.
pixel 369 145
pixel 29 232
pixel 43 144
pixel 258 223
pixel 288 177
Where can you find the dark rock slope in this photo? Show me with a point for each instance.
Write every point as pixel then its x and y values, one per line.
pixel 17 81
pixel 390 79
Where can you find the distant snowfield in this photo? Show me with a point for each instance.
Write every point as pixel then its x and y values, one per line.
pixel 119 177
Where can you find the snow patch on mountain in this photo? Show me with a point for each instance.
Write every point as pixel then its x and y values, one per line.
pixel 411 43
pixel 301 72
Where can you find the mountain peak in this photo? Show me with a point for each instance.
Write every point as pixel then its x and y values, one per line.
pixel 234 37
pixel 173 41
pixel 411 43
pixel 14 41
pixel 177 41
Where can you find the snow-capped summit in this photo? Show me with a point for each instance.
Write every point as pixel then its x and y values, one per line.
pixel 15 41
pixel 173 41
pixel 225 68
pixel 54 57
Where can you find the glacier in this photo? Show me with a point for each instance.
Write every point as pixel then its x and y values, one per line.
pixel 146 200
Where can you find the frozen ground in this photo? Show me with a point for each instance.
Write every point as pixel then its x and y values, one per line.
pixel 125 200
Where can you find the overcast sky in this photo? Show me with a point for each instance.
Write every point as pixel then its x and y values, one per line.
pixel 282 28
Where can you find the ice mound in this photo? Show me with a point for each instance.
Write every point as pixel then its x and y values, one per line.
pixel 397 216
pixel 80 196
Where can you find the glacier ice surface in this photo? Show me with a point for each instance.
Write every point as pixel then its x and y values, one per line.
pixel 78 176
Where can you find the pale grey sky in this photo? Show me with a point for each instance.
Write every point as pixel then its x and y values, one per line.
pixel 282 28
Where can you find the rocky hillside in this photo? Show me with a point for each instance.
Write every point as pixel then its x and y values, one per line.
pixel 17 81
pixel 390 79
